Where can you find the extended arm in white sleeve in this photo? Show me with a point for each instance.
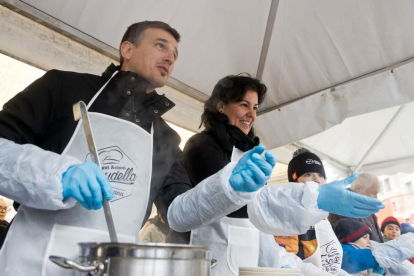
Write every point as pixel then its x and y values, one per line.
pixel 404 268
pixel 273 255
pixel 286 210
pixel 32 176
pixel 392 253
pixel 210 200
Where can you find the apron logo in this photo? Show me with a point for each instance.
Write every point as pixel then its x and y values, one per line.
pixel 331 257
pixel 119 169
pixel 115 170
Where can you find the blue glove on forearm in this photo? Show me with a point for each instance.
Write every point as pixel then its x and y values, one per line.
pixel 86 182
pixel 252 171
pixel 334 198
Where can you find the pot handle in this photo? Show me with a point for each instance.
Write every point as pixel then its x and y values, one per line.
pixel 69 264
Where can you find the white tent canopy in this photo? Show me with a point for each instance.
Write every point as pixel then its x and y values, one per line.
pixel 323 62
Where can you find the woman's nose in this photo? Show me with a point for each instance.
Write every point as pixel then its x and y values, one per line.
pixel 252 113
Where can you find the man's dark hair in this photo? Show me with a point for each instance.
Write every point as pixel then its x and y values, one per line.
pixel 229 89
pixel 136 31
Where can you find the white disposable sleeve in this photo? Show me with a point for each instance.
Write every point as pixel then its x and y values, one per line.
pixel 286 210
pixel 392 253
pixel 210 200
pixel 32 176
pixel 405 268
pixel 273 255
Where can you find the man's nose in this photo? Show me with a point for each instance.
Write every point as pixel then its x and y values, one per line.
pixel 170 57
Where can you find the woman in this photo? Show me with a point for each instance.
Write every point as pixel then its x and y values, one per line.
pixel 228 119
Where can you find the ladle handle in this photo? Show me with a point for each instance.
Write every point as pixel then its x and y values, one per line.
pixel 80 112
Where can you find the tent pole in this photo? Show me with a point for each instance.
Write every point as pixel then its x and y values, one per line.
pixel 382 134
pixel 267 37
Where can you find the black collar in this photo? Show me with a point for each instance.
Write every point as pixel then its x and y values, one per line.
pixel 131 89
pixel 125 97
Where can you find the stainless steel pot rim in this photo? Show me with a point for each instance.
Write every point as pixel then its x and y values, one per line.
pixel 142 245
pixel 92 251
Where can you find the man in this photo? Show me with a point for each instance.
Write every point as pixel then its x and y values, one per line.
pixel 44 157
pixel 368 185
pixel 3 222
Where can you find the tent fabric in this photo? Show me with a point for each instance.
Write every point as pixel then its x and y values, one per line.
pixel 351 140
pixel 215 34
pixel 318 44
pixel 330 107
pixel 343 67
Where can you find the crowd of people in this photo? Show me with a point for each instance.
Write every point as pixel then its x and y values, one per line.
pixel 213 193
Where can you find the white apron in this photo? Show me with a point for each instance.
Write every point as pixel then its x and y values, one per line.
pixel 234 242
pixel 125 152
pixel 328 254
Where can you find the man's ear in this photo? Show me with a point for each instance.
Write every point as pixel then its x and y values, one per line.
pixel 220 107
pixel 126 50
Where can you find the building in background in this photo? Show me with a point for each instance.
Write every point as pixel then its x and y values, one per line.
pixel 397 194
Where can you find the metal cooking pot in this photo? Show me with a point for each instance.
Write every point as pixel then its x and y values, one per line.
pixel 124 259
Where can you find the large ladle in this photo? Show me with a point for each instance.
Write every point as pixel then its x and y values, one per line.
pixel 80 112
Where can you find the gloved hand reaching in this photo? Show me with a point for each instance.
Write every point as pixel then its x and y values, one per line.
pixel 334 198
pixel 252 171
pixel 86 182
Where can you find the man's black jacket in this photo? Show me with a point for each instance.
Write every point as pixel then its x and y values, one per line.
pixel 42 115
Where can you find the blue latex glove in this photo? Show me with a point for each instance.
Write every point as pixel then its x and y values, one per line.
pixel 334 198
pixel 252 171
pixel 86 182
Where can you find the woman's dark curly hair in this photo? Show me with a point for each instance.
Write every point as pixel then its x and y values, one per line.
pixel 229 89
